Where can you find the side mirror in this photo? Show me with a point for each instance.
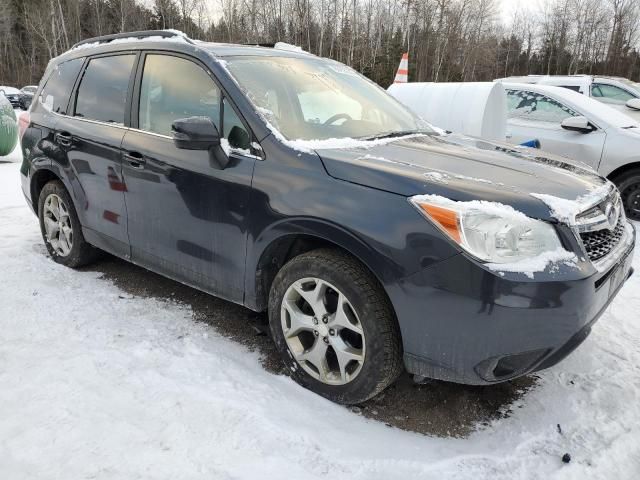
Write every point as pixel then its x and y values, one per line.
pixel 633 103
pixel 195 133
pixel 577 124
pixel 200 133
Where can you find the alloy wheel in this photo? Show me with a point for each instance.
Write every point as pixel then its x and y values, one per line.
pixel 57 225
pixel 322 331
pixel 631 200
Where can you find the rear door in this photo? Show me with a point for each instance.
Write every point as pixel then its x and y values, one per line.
pixel 532 115
pixel 186 219
pixel 89 140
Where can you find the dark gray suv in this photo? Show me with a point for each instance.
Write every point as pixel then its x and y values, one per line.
pixel 291 184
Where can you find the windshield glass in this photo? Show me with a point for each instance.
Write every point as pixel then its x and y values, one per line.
pixel 634 85
pixel 316 99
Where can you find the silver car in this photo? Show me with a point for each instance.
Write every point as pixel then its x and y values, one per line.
pixel 570 124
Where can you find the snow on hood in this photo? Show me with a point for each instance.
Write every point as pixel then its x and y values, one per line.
pixel 463 169
pixel 565 210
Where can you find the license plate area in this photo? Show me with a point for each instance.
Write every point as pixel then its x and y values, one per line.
pixel 619 274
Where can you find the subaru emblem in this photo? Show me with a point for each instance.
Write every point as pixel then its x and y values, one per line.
pixel 611 212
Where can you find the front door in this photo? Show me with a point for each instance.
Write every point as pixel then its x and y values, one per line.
pixel 535 116
pixel 186 219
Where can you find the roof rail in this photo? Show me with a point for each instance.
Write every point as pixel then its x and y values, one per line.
pixel 258 44
pixel 141 34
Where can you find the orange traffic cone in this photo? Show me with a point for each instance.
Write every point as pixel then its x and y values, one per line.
pixel 402 75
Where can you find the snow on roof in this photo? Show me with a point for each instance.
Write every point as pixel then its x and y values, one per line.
pixel 288 47
pixel 11 90
pixel 180 37
pixel 600 113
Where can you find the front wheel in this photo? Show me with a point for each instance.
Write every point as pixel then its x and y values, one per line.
pixel 334 326
pixel 629 185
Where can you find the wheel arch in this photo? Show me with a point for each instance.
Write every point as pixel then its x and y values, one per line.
pixel 623 169
pixel 39 179
pixel 277 248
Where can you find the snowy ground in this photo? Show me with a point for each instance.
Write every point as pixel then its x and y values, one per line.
pixel 98 383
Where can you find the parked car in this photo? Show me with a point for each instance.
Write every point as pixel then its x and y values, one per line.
pixel 26 96
pixel 617 92
pixel 12 94
pixel 373 242
pixel 570 124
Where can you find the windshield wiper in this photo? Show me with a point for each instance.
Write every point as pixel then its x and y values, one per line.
pixel 393 134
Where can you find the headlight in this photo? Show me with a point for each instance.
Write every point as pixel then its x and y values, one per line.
pixel 489 231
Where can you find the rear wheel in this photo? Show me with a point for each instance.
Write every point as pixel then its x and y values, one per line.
pixel 334 326
pixel 61 229
pixel 629 185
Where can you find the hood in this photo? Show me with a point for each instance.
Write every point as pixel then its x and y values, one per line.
pixel 462 169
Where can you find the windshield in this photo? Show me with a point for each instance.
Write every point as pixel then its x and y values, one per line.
pixel 634 85
pixel 316 99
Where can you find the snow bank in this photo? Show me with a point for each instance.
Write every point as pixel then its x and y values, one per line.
pixel 474 108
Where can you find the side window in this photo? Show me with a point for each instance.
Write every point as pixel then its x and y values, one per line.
pixel 173 88
pixel 234 130
pixel 55 94
pixel 102 94
pixel 535 107
pixel 611 93
pixel 575 88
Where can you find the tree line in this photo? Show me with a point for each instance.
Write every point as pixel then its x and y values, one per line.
pixel 447 40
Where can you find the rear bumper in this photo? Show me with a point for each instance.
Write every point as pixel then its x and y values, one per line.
pixel 463 323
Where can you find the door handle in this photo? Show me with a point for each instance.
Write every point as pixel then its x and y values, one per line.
pixel 63 138
pixel 135 159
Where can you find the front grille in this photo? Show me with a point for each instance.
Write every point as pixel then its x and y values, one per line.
pixel 599 243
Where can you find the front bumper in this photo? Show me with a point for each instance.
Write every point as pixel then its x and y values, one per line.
pixel 463 323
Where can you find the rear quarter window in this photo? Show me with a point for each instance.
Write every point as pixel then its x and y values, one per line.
pixel 56 91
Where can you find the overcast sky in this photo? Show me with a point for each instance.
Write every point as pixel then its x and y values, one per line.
pixel 506 8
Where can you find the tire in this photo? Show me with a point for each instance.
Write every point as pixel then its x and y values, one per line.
pixel 629 185
pixel 365 336
pixel 71 249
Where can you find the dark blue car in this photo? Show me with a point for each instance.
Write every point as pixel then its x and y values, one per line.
pixel 291 184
